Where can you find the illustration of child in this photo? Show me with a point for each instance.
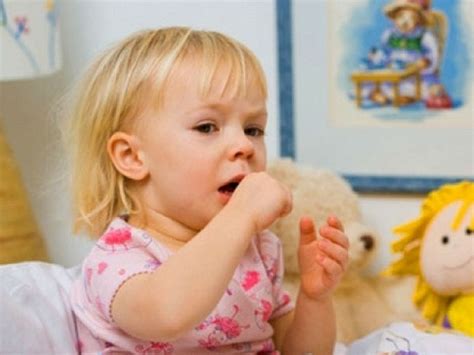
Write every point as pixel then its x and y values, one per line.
pixel 408 42
pixel 167 138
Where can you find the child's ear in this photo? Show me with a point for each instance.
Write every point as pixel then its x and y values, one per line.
pixel 124 150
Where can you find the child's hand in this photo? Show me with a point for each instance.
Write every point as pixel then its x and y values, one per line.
pixel 322 261
pixel 262 198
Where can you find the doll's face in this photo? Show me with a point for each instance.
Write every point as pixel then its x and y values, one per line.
pixel 447 255
pixel 406 20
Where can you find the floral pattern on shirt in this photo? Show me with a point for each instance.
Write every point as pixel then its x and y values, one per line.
pixel 239 323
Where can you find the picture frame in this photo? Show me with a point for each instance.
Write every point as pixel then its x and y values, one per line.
pixel 407 155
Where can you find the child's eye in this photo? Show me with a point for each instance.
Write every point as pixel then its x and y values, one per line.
pixel 254 132
pixel 206 128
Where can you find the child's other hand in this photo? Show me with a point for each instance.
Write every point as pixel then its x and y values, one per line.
pixel 322 261
pixel 262 198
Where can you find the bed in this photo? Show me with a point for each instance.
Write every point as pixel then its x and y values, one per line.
pixel 36 318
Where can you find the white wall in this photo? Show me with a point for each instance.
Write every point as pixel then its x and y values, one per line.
pixel 87 27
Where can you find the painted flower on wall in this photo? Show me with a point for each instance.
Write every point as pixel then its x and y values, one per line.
pixel 29 38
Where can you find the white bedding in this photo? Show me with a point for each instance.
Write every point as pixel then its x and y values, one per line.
pixel 405 339
pixel 35 313
pixel 36 318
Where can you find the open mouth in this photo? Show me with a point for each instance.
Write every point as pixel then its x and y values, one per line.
pixel 229 188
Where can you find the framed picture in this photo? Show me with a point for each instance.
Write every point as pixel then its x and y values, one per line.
pixel 380 91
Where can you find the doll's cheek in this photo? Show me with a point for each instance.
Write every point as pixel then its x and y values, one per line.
pixel 447 253
pixel 448 281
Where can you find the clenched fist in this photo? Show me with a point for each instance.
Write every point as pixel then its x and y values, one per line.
pixel 262 198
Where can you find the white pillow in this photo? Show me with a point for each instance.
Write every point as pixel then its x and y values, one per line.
pixel 35 312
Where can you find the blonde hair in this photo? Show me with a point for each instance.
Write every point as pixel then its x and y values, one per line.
pixel 112 95
pixel 432 305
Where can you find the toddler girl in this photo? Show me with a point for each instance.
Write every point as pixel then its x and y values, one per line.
pixel 169 174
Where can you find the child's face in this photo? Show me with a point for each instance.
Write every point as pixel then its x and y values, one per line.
pixel 195 146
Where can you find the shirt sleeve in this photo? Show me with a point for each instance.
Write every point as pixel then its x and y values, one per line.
pixel 272 256
pixel 106 270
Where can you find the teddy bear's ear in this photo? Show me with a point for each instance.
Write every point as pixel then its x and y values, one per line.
pixel 364 244
pixel 285 171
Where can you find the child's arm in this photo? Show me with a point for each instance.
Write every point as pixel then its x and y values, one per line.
pixel 311 327
pixel 165 304
pixel 309 330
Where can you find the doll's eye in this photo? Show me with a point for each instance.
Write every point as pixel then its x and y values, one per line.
pixel 445 239
pixel 469 231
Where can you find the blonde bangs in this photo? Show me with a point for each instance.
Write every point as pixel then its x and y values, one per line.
pixel 222 57
pixel 216 57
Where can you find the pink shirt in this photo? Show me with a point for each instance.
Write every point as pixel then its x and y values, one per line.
pixel 238 324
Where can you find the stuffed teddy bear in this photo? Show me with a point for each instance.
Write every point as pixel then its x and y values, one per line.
pixel 362 303
pixel 438 247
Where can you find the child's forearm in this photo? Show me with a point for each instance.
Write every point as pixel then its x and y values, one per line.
pixel 204 267
pixel 187 287
pixel 313 330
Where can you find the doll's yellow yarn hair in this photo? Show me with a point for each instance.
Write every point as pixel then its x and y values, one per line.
pixel 433 306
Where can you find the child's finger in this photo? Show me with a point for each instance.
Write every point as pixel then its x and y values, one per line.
pixel 333 221
pixel 331 267
pixel 307 230
pixel 335 235
pixel 334 251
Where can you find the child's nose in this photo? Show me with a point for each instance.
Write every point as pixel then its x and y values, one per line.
pixel 241 147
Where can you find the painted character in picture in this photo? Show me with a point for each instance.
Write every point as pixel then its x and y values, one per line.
pixel 416 38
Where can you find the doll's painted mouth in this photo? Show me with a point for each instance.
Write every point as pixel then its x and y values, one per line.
pixel 459 265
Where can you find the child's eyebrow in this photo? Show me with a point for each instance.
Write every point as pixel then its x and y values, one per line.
pixel 220 107
pixel 261 113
